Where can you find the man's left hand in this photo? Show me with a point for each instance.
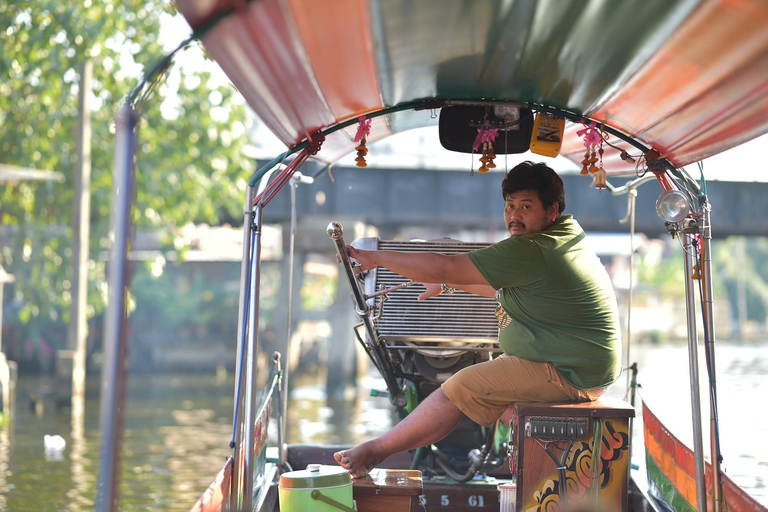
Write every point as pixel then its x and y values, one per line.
pixel 432 290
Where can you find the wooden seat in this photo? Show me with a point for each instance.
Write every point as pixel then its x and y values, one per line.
pixel 603 407
pixel 389 490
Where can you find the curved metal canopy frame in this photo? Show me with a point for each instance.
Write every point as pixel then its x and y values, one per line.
pixel 224 9
pixel 679 76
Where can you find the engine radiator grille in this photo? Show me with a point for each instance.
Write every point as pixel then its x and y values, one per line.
pixel 458 317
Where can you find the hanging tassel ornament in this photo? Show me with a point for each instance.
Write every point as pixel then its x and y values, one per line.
pixel 592 140
pixel 592 163
pixel 585 163
pixel 485 138
pixel 593 168
pixel 363 130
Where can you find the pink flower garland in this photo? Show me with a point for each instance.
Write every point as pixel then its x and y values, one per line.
pixel 485 135
pixel 363 128
pixel 591 135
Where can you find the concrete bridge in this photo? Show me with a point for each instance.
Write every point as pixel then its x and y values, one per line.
pixel 392 199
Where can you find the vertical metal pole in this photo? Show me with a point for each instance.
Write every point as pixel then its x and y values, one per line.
pixel 242 314
pixel 709 322
pixel 283 412
pixel 632 395
pixel 251 364
pixel 631 200
pixel 631 376
pixel 693 359
pixel 115 342
pixel 77 328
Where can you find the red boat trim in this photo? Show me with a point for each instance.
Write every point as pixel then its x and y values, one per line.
pixel 671 467
pixel 214 496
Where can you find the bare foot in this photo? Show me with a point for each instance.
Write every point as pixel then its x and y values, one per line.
pixel 358 460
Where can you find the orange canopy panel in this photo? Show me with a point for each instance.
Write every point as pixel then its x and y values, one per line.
pixel 256 47
pixel 685 77
pixel 682 99
pixel 343 61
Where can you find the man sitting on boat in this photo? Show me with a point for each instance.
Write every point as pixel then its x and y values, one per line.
pixel 558 319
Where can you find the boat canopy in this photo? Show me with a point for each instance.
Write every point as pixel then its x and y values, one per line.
pixel 687 78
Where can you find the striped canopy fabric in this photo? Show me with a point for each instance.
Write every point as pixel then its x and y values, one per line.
pixel 687 78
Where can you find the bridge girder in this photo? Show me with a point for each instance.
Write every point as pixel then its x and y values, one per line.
pixel 394 198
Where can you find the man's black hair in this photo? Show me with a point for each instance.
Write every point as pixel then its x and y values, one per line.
pixel 539 177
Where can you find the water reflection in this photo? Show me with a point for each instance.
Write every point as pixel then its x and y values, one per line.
pixel 176 439
pixel 312 419
pixel 202 427
pixel 4 469
pixel 78 498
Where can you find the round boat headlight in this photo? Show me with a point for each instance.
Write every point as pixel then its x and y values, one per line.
pixel 673 206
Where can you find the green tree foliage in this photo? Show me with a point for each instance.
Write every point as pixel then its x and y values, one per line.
pixel 740 268
pixel 665 275
pixel 190 166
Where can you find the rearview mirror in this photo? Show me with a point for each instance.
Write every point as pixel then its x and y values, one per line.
pixel 459 125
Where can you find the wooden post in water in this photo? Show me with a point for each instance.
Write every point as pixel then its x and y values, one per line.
pixel 342 353
pixel 71 363
pixel 6 380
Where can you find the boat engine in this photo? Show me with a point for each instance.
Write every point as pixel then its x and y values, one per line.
pixel 423 343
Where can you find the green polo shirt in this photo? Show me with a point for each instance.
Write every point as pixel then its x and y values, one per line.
pixel 559 300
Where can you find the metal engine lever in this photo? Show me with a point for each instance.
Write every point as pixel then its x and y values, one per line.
pixel 377 309
pixel 336 231
pixel 385 291
pixel 375 346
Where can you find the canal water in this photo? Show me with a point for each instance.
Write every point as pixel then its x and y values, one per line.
pixel 178 429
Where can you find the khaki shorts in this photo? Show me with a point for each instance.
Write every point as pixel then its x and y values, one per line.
pixel 484 390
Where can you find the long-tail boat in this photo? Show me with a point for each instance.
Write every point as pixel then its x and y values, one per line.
pixel 637 88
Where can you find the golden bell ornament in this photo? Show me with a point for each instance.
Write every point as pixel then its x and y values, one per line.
pixel 600 181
